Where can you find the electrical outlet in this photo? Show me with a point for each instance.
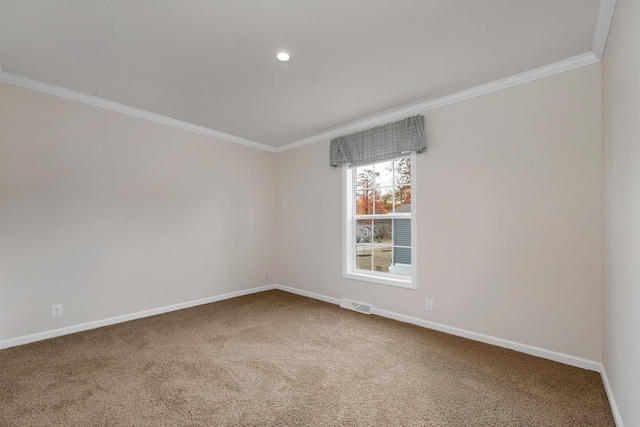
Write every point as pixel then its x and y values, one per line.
pixel 56 311
pixel 266 275
pixel 428 305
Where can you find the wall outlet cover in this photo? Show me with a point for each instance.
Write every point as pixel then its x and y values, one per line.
pixel 428 305
pixel 56 311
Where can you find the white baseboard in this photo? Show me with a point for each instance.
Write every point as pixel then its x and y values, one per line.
pixel 26 339
pixel 488 339
pixel 612 401
pixel 324 298
pixel 523 348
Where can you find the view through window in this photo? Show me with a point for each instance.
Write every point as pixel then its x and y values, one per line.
pixel 380 219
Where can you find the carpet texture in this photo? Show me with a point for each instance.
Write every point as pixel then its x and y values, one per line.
pixel 278 359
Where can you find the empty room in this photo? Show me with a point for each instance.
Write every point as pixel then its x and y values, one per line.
pixel 320 213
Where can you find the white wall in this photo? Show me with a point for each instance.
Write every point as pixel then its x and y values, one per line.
pixel 621 199
pixel 509 202
pixel 109 214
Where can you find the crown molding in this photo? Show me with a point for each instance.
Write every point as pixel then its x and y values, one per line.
pixel 605 16
pixel 517 79
pixel 50 89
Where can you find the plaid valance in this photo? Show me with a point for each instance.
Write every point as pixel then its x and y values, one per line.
pixel 384 142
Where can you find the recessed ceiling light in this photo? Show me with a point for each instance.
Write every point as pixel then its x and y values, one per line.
pixel 283 56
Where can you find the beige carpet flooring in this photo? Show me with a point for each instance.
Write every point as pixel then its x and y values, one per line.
pixel 277 359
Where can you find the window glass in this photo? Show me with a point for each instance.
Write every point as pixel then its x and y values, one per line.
pixel 380 220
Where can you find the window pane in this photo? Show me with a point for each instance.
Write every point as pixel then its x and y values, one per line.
pixel 364 231
pixel 403 198
pixel 365 177
pixel 402 185
pixel 364 247
pixel 402 232
pixel 364 256
pixel 402 256
pixel 364 202
pixel 384 173
pixel 383 202
pixel 403 171
pixel 382 245
pixel 383 231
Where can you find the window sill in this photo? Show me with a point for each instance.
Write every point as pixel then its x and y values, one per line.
pixel 389 281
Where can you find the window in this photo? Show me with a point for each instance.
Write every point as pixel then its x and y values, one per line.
pixel 379 222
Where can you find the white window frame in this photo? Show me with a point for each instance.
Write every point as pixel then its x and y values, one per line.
pixel 349 235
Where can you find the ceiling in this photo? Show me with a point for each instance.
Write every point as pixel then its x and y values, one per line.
pixel 212 63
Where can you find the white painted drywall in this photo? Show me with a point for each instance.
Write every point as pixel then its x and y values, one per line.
pixel 509 198
pixel 109 214
pixel 621 203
